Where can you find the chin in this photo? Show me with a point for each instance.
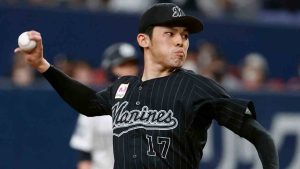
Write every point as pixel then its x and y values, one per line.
pixel 177 66
pixel 179 63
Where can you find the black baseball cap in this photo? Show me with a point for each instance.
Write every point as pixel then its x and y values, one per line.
pixel 168 14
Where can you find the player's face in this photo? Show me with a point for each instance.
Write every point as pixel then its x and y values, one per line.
pixel 169 46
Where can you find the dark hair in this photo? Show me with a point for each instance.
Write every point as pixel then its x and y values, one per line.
pixel 149 32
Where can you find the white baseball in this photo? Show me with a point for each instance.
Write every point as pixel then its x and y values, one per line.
pixel 25 43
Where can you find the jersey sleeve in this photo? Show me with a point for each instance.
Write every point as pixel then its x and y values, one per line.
pixel 80 97
pixel 231 112
pixel 215 103
pixel 104 100
pixel 82 138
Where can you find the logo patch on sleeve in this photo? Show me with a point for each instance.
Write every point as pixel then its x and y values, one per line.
pixel 121 91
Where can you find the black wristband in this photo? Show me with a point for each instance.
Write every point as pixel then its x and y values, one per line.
pixel 84 156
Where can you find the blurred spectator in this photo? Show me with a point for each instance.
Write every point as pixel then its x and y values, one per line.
pixel 82 72
pixel 212 64
pixel 239 9
pixel 63 63
pixel 99 78
pixel 119 60
pixel 254 75
pixel 22 74
pixel 97 4
pixel 129 6
pixel 93 5
pixel 254 72
pixel 293 83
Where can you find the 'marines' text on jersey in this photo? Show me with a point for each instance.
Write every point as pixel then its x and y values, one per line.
pixel 127 120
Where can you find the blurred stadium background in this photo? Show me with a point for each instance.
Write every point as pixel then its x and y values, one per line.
pixel 251 47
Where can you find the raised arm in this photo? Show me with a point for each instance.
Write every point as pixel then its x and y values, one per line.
pixel 35 57
pixel 80 97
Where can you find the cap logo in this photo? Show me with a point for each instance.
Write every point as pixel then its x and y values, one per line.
pixel 177 12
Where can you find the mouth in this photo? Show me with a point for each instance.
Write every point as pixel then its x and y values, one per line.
pixel 179 53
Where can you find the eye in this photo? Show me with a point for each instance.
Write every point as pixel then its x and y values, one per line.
pixel 169 33
pixel 185 36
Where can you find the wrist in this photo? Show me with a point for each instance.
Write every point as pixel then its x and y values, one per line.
pixel 43 66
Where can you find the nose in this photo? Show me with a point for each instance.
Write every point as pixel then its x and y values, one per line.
pixel 178 40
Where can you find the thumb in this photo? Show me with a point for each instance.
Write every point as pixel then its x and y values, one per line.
pixel 17 50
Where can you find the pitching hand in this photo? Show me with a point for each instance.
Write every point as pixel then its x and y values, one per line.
pixel 35 57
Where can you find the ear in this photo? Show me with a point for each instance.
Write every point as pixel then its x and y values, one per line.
pixel 143 40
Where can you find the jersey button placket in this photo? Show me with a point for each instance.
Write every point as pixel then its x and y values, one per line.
pixel 138 89
pixel 138 103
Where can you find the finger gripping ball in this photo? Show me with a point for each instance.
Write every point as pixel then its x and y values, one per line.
pixel 25 43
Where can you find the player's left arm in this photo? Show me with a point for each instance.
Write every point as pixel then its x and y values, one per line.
pixel 238 115
pixel 263 142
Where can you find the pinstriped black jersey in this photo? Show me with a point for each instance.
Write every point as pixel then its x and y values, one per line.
pixel 162 123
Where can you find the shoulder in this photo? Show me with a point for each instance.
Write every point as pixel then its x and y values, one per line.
pixel 195 78
pixel 116 84
pixel 123 82
pixel 204 85
pixel 125 79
